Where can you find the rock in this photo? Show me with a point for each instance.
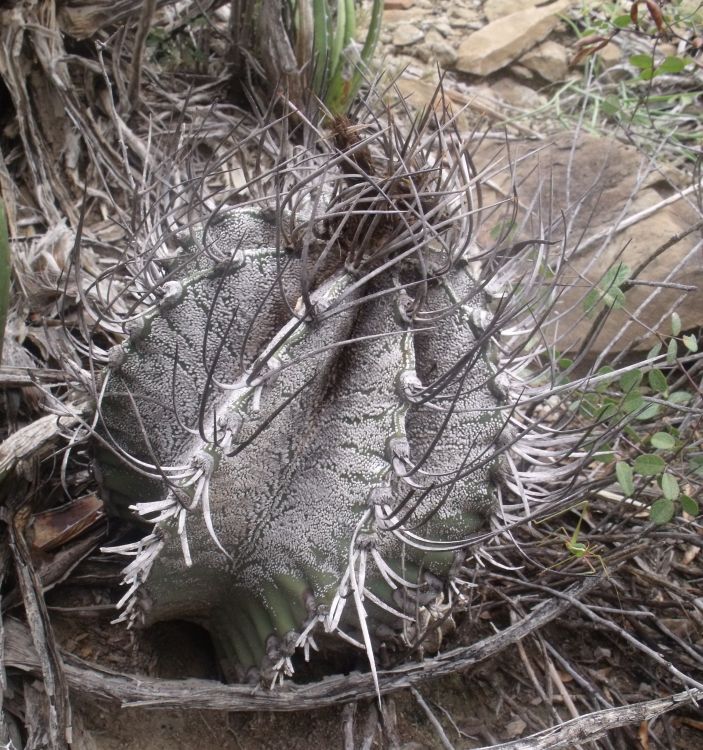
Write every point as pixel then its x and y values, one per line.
pixel 406 34
pixel 595 182
pixel 460 17
pixel 423 93
pixel 444 53
pixel 397 4
pixel 468 14
pixel 443 28
pixel 423 53
pixel 516 94
pixel 679 264
pixel 522 72
pixel 460 23
pixel 437 48
pixel 495 9
pixel 549 60
pixel 393 17
pixel 502 41
pixel 433 37
pixel 610 55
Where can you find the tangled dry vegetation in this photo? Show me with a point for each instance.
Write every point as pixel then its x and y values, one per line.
pixel 580 619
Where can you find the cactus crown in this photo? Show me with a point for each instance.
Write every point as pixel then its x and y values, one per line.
pixel 313 406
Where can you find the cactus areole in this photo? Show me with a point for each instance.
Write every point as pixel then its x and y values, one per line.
pixel 306 411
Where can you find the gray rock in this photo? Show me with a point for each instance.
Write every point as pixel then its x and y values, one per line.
pixel 444 53
pixel 468 14
pixel 443 28
pixel 460 17
pixel 406 34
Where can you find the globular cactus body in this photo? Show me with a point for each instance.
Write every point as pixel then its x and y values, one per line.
pixel 312 438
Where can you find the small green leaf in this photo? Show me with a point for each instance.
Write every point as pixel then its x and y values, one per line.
pixel 663 441
pixel 630 380
pixel 606 411
pixel 607 291
pixel 647 75
pixel 671 352
pixel 650 412
pixel 623 472
pixel 590 301
pixel 607 383
pixel 689 505
pixel 564 363
pixel 604 457
pixel 633 403
pixel 675 324
pixel 657 381
pixel 680 397
pixel 643 62
pixel 610 105
pixel 670 487
pixel 649 465
pixel 622 22
pixel 696 464
pixel 662 511
pixel 673 65
pixel 690 342
pixel 617 275
pixel 654 351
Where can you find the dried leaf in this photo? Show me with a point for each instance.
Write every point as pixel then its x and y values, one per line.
pixel 643 735
pixel 634 11
pixel 52 528
pixel 691 554
pixel 589 46
pixel 693 723
pixel 515 728
pixel 656 14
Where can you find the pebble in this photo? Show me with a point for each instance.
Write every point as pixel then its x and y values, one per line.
pixel 406 34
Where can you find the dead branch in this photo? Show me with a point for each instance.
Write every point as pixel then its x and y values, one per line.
pixel 33 440
pixel 49 658
pixel 135 79
pixel 595 725
pixel 138 690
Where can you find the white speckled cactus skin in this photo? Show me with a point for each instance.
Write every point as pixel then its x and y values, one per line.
pixel 310 467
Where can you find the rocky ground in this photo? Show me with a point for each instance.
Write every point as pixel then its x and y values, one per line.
pixel 514 66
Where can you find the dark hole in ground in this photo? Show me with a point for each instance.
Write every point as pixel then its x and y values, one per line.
pixel 182 650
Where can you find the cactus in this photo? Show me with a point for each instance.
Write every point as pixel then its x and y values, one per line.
pixel 311 408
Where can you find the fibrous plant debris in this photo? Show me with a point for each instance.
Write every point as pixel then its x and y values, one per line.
pixel 262 271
